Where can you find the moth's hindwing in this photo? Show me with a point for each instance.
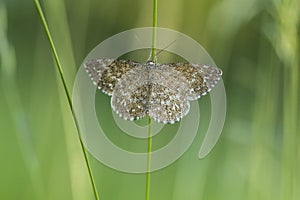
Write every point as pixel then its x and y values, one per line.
pixel 168 102
pixel 131 95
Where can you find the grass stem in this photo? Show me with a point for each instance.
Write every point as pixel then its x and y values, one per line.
pixel 154 25
pixel 59 68
pixel 148 175
pixel 153 58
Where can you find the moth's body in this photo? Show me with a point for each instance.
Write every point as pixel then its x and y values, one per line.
pixel 160 91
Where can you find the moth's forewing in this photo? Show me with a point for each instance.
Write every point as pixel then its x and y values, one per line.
pixel 210 74
pixel 106 73
pixel 202 78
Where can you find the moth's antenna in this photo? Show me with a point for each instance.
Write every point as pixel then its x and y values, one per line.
pixel 137 38
pixel 156 54
pixel 165 48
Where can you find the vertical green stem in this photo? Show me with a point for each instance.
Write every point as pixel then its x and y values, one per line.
pixel 59 68
pixel 148 175
pixel 154 25
pixel 288 46
pixel 149 160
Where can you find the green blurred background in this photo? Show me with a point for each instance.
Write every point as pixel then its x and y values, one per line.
pixel 256 43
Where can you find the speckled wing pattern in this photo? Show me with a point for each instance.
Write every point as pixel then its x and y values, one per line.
pixel 106 73
pixel 160 91
pixel 202 78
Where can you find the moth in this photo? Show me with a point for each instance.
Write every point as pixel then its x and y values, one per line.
pixel 159 91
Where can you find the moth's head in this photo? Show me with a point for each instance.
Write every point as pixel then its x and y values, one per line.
pixel 150 63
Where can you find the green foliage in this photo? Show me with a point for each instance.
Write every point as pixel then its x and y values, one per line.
pixel 256 43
